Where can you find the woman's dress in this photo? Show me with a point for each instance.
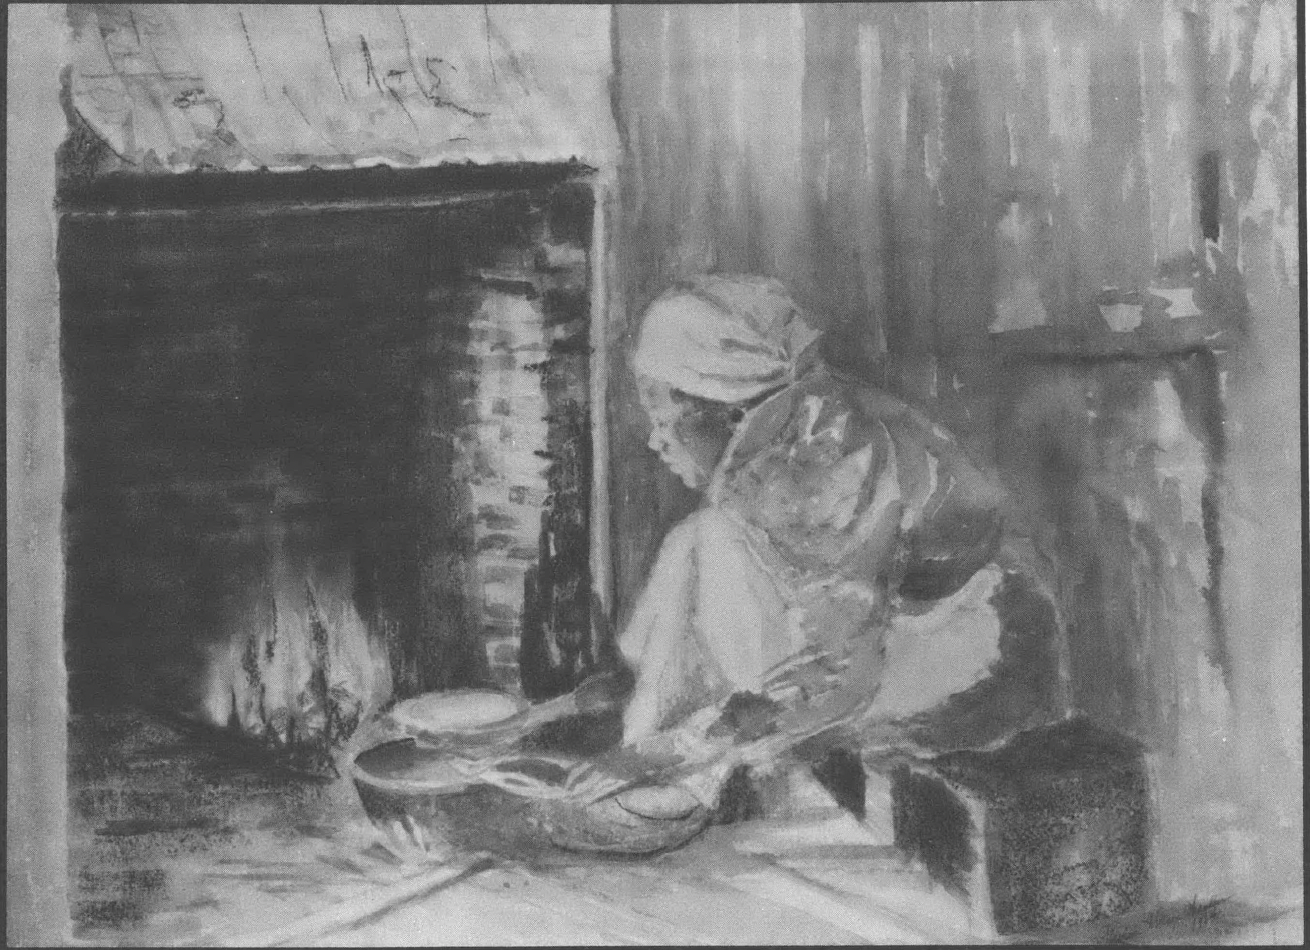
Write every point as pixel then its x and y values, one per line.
pixel 802 579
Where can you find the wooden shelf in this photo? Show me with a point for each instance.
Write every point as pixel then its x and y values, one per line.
pixel 1155 338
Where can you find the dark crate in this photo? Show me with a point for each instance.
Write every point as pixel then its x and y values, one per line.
pixel 1050 831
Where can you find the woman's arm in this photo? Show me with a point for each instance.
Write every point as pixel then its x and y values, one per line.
pixel 649 643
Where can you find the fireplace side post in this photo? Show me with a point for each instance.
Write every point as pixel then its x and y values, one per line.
pixel 36 856
pixel 602 266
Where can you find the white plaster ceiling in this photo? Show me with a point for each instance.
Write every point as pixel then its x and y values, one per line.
pixel 172 87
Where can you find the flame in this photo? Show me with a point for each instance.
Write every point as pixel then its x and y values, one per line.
pixel 218 692
pixel 306 671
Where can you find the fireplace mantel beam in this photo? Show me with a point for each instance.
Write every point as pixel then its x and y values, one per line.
pixel 313 189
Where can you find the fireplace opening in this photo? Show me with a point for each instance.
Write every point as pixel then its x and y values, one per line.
pixel 328 442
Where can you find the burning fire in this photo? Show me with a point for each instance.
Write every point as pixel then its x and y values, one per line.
pixel 307 676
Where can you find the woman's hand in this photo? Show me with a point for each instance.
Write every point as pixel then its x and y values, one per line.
pixel 826 685
pixel 603 691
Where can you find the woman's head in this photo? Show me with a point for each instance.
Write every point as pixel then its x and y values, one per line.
pixel 707 351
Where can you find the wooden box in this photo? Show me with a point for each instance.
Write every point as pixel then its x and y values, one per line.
pixel 1049 831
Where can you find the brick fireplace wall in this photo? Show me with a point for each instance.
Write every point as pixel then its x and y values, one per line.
pixel 387 407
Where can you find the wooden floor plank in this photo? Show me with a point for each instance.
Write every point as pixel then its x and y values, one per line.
pixel 793 890
pixel 363 909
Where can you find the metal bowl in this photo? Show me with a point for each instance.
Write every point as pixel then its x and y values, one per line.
pixel 458 712
pixel 405 781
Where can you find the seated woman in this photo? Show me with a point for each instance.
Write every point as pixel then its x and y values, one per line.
pixel 852 580
pixel 845 546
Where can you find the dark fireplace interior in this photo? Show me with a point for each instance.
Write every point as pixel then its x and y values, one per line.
pixel 328 441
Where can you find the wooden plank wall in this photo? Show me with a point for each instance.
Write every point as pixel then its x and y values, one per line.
pixel 865 155
pixel 868 155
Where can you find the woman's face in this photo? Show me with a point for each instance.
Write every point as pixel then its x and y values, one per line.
pixel 690 434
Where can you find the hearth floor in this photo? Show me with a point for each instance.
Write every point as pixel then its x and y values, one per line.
pixel 174 843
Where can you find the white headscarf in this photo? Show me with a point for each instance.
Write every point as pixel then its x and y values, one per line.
pixel 723 338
